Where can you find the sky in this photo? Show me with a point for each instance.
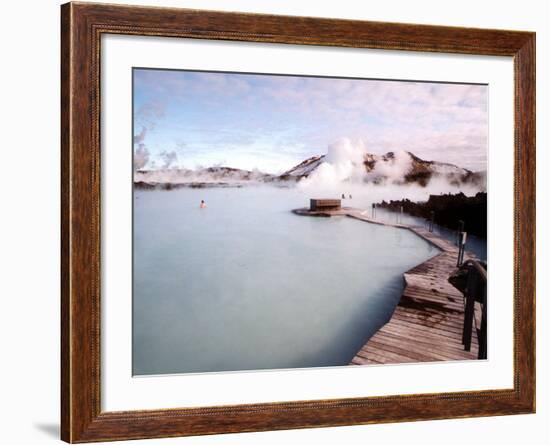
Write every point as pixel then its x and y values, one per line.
pixel 195 119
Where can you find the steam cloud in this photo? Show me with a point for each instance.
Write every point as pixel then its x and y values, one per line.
pixel 344 172
pixel 147 116
pixel 139 138
pixel 393 171
pixel 141 153
pixel 214 174
pixel 345 162
pixel 347 168
pixel 168 158
pixel 141 156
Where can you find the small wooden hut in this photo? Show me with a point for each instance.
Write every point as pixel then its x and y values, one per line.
pixel 316 205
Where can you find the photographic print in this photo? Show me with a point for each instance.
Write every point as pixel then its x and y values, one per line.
pixel 284 221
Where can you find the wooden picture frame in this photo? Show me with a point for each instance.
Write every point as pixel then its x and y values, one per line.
pixel 82 25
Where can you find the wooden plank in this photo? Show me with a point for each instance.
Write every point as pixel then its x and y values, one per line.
pixel 431 315
pixel 454 326
pixel 421 342
pixel 421 334
pixel 419 321
pixel 419 329
pixel 428 321
pixel 417 352
pixel 384 356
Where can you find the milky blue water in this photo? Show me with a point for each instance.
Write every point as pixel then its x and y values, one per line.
pixel 245 284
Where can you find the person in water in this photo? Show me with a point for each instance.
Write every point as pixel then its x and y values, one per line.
pixel 203 204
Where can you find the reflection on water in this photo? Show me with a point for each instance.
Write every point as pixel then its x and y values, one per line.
pixel 476 245
pixel 245 284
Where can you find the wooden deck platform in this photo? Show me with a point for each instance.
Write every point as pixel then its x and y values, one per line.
pixel 427 323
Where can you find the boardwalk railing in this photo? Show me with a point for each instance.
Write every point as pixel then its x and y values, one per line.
pixel 461 248
pixel 475 291
pixel 429 322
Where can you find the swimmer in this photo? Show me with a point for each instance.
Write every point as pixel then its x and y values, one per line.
pixel 203 204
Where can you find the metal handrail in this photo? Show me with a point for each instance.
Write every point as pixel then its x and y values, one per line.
pixel 479 268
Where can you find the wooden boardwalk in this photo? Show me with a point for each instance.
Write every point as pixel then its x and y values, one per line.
pixel 427 323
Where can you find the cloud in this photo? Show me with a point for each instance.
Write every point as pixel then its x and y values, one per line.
pixel 181 85
pixel 149 113
pixel 233 112
pixel 181 146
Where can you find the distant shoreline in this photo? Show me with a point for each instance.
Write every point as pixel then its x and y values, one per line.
pixel 151 185
pixel 143 185
pixel 448 210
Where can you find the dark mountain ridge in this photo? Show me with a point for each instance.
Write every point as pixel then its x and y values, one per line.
pixel 396 168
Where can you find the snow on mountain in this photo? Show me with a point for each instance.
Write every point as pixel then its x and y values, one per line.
pixel 393 167
pixel 304 168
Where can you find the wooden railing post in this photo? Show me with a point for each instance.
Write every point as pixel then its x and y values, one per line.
pixel 459 231
pixel 482 337
pixel 475 290
pixel 461 249
pixel 468 311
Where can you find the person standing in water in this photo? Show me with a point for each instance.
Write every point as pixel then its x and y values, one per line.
pixel 203 204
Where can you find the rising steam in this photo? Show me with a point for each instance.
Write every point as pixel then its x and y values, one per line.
pixel 141 152
pixel 141 156
pixel 345 162
pixel 348 168
pixel 168 158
